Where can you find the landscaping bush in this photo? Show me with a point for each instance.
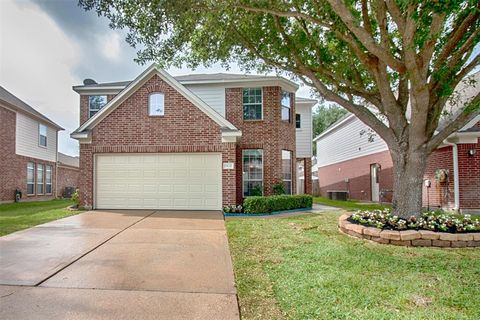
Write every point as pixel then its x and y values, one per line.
pixel 76 197
pixel 430 220
pixel 279 188
pixel 276 203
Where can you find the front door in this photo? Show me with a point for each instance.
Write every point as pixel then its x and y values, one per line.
pixel 375 185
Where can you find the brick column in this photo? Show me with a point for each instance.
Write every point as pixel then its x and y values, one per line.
pixel 85 181
pixel 307 172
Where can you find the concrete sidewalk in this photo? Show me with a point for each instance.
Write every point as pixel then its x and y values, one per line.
pixel 125 264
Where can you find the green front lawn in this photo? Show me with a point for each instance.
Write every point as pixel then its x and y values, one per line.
pixel 350 205
pixel 303 268
pixel 22 215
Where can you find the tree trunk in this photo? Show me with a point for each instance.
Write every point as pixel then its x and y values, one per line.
pixel 408 170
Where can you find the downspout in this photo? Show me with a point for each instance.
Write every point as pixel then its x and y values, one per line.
pixel 456 182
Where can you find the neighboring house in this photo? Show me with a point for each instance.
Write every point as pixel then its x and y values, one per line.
pixel 349 162
pixel 28 146
pixel 68 169
pixel 189 142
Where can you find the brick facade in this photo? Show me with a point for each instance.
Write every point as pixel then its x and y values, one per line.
pixel 67 177
pixel 129 129
pixel 307 175
pixel 469 172
pixel 270 134
pixel 357 171
pixel 14 167
pixel 439 195
pixel 185 128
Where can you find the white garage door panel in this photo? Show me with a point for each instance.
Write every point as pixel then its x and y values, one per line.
pixel 159 181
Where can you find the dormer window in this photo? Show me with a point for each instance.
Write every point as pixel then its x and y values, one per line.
pixel 156 104
pixel 42 135
pixel 286 106
pixel 95 103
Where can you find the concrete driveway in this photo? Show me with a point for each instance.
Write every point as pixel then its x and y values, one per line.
pixel 124 264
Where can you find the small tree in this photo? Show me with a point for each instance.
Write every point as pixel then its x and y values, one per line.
pixel 401 57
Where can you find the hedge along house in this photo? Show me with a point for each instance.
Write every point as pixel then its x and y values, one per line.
pixel 194 142
pixel 355 164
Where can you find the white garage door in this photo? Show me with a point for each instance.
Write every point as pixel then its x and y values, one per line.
pixel 185 181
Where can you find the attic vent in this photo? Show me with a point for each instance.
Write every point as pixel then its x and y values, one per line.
pixel 89 82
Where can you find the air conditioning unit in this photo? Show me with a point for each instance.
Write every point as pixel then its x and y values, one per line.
pixel 338 195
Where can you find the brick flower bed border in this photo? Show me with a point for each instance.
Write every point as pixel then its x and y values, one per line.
pixel 420 238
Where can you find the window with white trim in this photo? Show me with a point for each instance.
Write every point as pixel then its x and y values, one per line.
pixel 30 178
pixel 95 103
pixel 156 104
pixel 287 170
pixel 48 179
pixel 286 106
pixel 252 104
pixel 40 187
pixel 42 135
pixel 252 172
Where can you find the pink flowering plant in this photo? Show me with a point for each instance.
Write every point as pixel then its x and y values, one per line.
pixel 430 220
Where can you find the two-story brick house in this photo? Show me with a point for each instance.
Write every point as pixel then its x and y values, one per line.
pixel 189 142
pixel 28 151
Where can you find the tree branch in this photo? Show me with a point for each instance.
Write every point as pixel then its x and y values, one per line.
pixel 462 118
pixel 364 37
pixel 455 36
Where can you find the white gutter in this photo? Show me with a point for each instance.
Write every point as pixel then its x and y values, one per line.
pixel 456 182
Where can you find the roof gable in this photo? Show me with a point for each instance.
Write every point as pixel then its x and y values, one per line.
pixel 138 83
pixel 12 101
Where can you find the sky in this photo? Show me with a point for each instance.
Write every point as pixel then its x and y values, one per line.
pixel 46 47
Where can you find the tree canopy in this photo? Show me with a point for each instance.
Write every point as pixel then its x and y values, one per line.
pixel 392 63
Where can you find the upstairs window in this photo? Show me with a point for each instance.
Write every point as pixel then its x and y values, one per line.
pixel 298 121
pixel 95 103
pixel 42 135
pixel 285 106
pixel 252 104
pixel 156 104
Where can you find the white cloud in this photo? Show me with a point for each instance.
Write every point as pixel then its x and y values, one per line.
pixel 47 47
pixel 36 60
pixel 110 45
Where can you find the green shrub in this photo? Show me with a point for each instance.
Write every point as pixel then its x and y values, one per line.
pixel 76 197
pixel 256 191
pixel 276 203
pixel 279 188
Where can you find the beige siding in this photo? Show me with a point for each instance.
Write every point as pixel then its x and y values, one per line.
pixel 346 142
pixel 27 139
pixel 211 94
pixel 304 134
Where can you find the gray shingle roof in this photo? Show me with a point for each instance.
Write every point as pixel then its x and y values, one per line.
pixel 206 77
pixel 13 101
pixel 68 160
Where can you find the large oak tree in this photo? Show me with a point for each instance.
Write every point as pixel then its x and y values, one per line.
pixel 392 63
